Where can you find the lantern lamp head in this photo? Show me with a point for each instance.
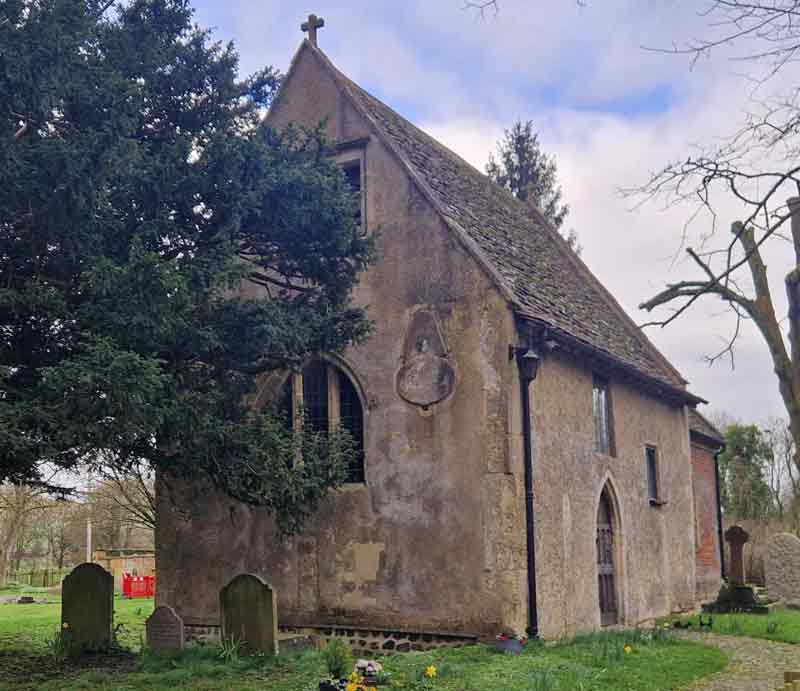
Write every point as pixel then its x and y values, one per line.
pixel 528 360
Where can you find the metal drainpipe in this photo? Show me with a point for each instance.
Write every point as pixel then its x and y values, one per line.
pixel 719 518
pixel 527 436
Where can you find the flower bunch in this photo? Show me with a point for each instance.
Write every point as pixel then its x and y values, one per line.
pixel 356 683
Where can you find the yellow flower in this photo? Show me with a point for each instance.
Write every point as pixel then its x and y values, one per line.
pixel 65 625
pixel 351 687
pixel 430 672
pixel 355 678
pixel 628 649
pixel 666 624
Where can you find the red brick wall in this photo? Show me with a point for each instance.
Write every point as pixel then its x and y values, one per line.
pixel 706 534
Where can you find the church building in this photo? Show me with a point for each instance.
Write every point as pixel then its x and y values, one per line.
pixel 526 453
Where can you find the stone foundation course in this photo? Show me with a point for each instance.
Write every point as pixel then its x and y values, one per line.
pixel 370 641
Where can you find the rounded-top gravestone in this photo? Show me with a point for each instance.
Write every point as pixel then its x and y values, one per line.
pixel 87 609
pixel 783 567
pixel 250 614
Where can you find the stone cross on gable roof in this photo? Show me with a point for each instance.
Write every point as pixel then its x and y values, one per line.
pixel 314 22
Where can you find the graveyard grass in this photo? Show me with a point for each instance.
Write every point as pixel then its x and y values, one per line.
pixel 596 662
pixel 779 625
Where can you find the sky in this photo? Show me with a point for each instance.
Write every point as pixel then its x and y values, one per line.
pixel 610 110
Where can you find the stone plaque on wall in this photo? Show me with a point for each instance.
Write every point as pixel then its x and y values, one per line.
pixel 165 630
pixel 426 376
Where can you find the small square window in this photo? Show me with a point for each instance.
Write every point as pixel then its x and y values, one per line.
pixel 603 422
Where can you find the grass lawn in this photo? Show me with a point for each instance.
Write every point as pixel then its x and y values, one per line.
pixel 590 663
pixel 29 627
pixel 780 625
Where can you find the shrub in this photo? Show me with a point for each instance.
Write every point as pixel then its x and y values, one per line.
pixel 338 658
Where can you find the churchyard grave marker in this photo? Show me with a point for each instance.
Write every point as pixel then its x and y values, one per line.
pixel 165 633
pixel 736 537
pixel 783 567
pixel 250 614
pixel 87 609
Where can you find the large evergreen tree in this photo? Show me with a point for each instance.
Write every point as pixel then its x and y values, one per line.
pixel 530 175
pixel 139 190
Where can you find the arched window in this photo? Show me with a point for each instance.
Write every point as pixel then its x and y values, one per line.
pixel 329 398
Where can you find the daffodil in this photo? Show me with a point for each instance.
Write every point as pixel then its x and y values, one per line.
pixel 430 672
pixel 628 650
pixel 351 687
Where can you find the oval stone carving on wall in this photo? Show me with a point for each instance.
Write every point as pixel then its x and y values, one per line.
pixel 426 376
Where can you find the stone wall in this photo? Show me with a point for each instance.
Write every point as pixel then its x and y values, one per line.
pixel 655 570
pixel 707 552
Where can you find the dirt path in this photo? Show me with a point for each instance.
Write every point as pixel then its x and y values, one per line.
pixel 756 664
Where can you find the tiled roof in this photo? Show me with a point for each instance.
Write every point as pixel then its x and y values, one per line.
pixel 530 262
pixel 699 425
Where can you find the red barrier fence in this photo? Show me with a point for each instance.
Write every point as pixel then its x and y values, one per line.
pixel 138 586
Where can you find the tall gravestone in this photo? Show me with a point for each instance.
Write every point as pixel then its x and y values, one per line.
pixel 783 567
pixel 736 537
pixel 250 614
pixel 165 632
pixel 87 609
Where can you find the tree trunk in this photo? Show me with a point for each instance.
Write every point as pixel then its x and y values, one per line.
pixel 793 296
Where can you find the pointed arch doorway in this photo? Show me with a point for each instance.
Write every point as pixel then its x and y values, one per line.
pixel 606 560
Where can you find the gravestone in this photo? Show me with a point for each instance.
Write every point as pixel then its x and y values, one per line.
pixel 783 567
pixel 87 609
pixel 736 537
pixel 250 614
pixel 164 630
pixel 735 596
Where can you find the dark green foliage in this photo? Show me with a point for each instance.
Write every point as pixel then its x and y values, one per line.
pixel 139 190
pixel 530 174
pixel 742 466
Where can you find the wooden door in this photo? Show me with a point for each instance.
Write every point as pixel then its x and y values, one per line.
pixel 607 586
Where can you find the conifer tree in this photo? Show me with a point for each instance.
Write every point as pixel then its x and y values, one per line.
pixel 530 175
pixel 139 192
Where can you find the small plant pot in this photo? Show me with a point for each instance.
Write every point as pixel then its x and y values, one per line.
pixel 510 646
pixel 329 685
